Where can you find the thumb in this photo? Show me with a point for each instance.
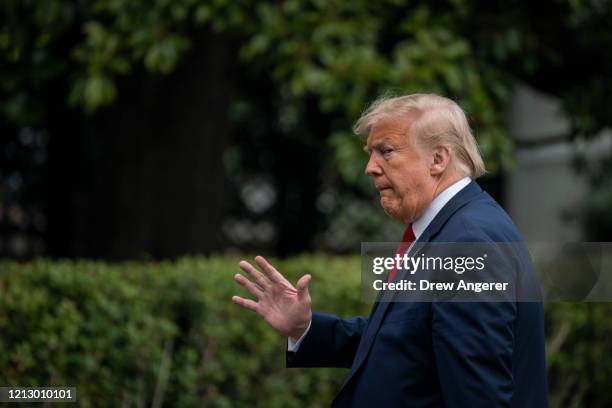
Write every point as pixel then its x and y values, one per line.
pixel 302 287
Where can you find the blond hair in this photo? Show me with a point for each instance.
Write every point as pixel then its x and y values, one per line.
pixel 435 120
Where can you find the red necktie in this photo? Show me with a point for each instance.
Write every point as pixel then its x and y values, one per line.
pixel 407 239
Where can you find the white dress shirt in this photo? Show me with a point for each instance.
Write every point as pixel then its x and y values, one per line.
pixel 418 227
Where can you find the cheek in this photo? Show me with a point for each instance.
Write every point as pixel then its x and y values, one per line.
pixel 413 183
pixel 406 187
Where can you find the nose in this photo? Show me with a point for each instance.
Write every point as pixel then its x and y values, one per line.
pixel 373 168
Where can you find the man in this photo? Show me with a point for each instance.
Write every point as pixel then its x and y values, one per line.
pixel 422 159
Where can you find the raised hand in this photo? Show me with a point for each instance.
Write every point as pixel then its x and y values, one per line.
pixel 284 307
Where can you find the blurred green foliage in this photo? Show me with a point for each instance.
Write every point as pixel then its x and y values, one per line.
pixel 106 329
pixel 307 69
pixel 578 354
pixel 342 53
pixel 133 333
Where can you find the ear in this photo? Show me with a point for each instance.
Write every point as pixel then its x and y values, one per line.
pixel 440 160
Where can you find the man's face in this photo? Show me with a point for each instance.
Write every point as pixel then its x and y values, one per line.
pixel 400 170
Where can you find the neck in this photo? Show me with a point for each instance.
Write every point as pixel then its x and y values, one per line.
pixel 446 180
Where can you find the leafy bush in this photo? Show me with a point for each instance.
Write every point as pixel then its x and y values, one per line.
pixel 148 334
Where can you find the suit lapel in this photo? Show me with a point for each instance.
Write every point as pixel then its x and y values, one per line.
pixel 467 194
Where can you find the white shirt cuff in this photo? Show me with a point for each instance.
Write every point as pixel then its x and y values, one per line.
pixel 292 344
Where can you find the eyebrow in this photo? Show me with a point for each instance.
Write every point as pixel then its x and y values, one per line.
pixel 376 146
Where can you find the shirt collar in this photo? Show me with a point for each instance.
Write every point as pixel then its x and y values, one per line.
pixel 421 223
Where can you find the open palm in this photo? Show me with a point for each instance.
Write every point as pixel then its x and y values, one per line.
pixel 287 309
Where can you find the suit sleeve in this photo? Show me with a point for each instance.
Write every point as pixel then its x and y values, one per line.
pixel 330 342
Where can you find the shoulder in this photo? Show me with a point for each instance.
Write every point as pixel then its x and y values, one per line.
pixel 481 219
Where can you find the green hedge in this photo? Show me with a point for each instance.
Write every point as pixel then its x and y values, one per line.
pixel 146 334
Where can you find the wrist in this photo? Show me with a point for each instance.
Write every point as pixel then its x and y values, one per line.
pixel 299 331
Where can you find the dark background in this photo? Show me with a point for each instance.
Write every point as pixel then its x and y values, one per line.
pixel 156 129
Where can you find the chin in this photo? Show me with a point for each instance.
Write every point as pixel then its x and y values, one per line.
pixel 396 215
pixel 391 212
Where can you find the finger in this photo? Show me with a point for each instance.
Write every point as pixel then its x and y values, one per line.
pixel 302 287
pixel 246 303
pixel 257 276
pixel 248 285
pixel 271 272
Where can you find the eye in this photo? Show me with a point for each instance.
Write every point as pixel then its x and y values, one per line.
pixel 386 151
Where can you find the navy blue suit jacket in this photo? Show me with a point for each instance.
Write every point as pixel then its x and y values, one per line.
pixel 440 354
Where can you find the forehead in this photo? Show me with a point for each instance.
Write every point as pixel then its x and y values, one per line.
pixel 389 131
